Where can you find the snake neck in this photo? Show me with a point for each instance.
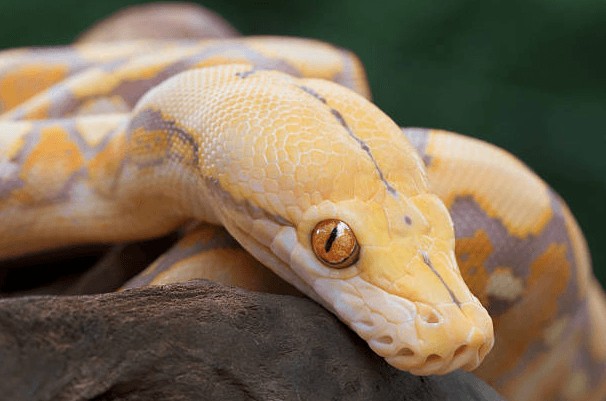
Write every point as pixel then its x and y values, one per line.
pixel 66 182
pixel 167 166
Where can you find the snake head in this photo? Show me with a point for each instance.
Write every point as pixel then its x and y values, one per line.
pixel 403 292
pixel 322 187
pixel 376 247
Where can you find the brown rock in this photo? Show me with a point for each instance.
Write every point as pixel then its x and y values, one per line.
pixel 198 341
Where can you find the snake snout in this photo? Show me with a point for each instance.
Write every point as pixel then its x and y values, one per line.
pixel 429 361
pixel 480 337
pixel 420 336
pixel 472 336
pixel 454 337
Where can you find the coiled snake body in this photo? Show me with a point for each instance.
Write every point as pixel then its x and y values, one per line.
pixel 111 142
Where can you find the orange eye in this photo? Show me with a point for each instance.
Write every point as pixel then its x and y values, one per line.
pixel 335 244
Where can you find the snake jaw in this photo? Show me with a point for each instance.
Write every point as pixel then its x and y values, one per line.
pixel 418 337
pixel 411 336
pixel 405 295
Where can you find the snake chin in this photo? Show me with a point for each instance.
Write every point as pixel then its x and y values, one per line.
pixel 411 336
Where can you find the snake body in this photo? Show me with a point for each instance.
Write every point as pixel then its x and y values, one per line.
pixel 107 142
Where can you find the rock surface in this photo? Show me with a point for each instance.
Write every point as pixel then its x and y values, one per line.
pixel 198 341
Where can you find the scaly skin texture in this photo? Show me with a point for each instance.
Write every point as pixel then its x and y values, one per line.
pixel 533 273
pixel 95 78
pixel 267 156
pixel 523 255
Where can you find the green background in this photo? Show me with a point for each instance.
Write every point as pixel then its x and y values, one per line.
pixel 527 75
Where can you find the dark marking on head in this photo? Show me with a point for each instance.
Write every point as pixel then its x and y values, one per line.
pixel 331 239
pixel 313 93
pixel 246 74
pixel 360 142
pixel 242 206
pixel 427 261
pixel 407 220
pixel 366 149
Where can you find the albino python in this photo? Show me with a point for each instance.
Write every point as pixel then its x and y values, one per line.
pixel 124 137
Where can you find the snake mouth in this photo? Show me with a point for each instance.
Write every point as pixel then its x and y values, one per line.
pixel 412 336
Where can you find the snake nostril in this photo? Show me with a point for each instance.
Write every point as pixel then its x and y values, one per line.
pixel 385 340
pixel 433 358
pixel 432 318
pixel 460 351
pixel 365 322
pixel 429 315
pixel 405 352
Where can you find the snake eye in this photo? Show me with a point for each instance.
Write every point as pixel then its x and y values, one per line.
pixel 335 244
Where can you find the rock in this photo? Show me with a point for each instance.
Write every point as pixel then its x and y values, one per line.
pixel 198 341
pixel 119 265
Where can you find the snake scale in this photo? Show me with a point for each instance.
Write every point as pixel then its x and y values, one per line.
pixel 265 151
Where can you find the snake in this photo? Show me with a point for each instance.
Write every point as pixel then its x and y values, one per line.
pixel 441 251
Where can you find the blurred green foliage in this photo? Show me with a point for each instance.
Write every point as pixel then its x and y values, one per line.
pixel 527 75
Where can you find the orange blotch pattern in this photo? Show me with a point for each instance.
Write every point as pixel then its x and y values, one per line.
pixel 50 165
pixel 148 147
pixel 526 321
pixel 19 85
pixel 156 146
pixel 472 253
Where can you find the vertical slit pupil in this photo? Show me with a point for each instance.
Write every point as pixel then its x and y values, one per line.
pixel 331 239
